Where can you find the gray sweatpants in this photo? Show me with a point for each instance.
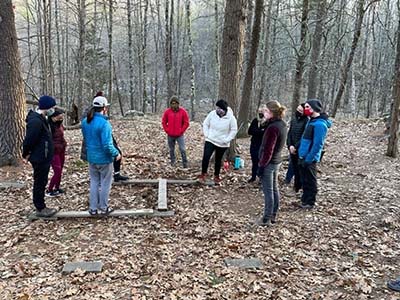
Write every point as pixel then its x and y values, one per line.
pixel 100 185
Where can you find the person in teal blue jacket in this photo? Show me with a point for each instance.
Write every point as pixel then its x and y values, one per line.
pixel 101 152
pixel 311 146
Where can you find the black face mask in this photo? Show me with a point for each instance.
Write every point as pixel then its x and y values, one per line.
pixel 58 123
pixel 261 115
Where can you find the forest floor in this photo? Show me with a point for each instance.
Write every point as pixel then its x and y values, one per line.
pixel 346 248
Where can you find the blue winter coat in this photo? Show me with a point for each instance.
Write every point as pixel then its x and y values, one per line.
pixel 97 136
pixel 313 139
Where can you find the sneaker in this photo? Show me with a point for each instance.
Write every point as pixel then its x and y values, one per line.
pixel 394 285
pixel 60 191
pixel 202 177
pixel 105 212
pixel 263 222
pixel 54 193
pixel 93 212
pixel 252 179
pixel 217 179
pixel 46 212
pixel 185 165
pixel 119 177
pixel 273 219
pixel 307 206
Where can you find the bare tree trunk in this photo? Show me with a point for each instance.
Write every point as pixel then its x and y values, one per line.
pixel 190 58
pixel 316 49
pixel 59 55
pixel 12 104
pixel 232 56
pixel 168 49
pixel 81 54
pixel 110 50
pixel 301 57
pixel 393 147
pixel 345 69
pixel 249 74
pixel 144 49
pixel 130 54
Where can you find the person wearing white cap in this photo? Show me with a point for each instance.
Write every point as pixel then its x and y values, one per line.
pixel 101 152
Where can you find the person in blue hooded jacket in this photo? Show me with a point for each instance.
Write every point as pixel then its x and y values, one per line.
pixel 101 152
pixel 311 146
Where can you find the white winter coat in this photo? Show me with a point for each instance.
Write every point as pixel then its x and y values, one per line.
pixel 220 131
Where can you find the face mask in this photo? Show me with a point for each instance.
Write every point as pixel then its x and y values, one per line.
pixel 307 111
pixel 260 115
pixel 49 112
pixel 58 122
pixel 220 112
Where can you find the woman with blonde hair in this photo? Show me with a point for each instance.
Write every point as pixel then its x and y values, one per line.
pixel 270 159
pixel 256 130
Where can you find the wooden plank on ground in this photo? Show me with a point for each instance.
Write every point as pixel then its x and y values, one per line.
pixel 169 181
pixel 87 266
pixel 162 194
pixel 11 184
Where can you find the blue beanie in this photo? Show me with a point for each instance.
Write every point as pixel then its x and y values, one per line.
pixel 46 102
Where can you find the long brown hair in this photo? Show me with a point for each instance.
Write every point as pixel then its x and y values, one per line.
pixel 92 110
pixel 277 110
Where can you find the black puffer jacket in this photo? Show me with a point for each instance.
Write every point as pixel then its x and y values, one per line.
pixel 38 142
pixel 296 129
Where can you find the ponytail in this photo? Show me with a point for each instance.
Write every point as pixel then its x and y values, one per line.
pixel 90 114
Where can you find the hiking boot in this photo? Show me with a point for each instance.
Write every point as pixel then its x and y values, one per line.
pixel 217 179
pixel 394 285
pixel 105 212
pixel 202 177
pixel 46 212
pixel 119 177
pixel 54 193
pixel 185 165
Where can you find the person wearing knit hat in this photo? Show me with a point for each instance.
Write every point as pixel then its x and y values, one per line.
pixel 175 122
pixel 60 145
pixel 219 129
pixel 38 149
pixel 311 146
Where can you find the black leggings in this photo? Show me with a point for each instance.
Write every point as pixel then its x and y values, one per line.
pixel 117 163
pixel 209 148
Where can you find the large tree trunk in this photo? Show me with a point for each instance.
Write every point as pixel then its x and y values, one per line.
pixel 168 50
pixel 190 58
pixel 393 148
pixel 249 74
pixel 12 104
pixel 316 49
pixel 130 54
pixel 232 56
pixel 81 54
pixel 110 51
pixel 301 57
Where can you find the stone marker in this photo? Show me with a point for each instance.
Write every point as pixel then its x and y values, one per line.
pixel 88 266
pixel 244 263
pixel 11 184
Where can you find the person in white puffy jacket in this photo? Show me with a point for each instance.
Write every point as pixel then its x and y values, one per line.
pixel 219 128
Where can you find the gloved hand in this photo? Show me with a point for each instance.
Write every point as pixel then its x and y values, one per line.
pixel 260 171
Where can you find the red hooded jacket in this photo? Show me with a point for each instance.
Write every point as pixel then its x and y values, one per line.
pixel 175 123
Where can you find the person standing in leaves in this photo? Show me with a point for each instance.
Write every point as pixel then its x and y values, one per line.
pixel 311 146
pixel 256 130
pixel 296 129
pixel 270 160
pixel 101 152
pixel 38 149
pixel 219 128
pixel 60 145
pixel 116 163
pixel 175 121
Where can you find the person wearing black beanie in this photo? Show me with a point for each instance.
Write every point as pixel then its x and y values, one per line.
pixel 38 149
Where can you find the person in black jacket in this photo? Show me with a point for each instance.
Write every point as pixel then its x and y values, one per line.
pixel 296 129
pixel 38 149
pixel 256 130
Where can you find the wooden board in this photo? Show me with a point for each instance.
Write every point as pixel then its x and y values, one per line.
pixel 162 195
pixel 115 213
pixel 169 181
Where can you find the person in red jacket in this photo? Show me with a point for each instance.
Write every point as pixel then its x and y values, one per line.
pixel 57 164
pixel 175 121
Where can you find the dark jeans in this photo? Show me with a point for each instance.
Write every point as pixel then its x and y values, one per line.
pixel 294 161
pixel 308 174
pixel 290 171
pixel 254 152
pixel 117 163
pixel 209 148
pixel 181 143
pixel 40 176
pixel 269 182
